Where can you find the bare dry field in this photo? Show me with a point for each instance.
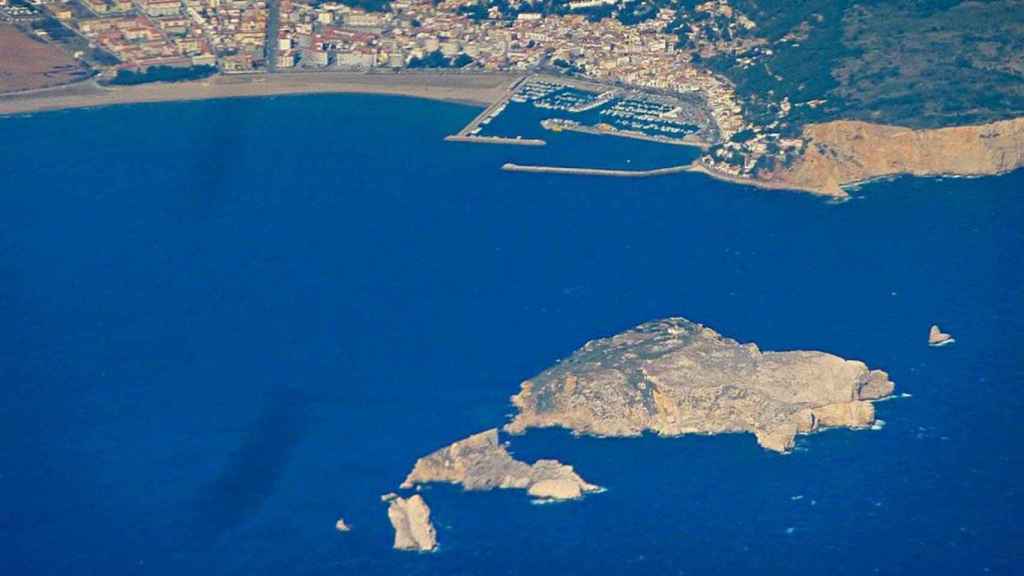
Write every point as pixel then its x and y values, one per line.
pixel 26 64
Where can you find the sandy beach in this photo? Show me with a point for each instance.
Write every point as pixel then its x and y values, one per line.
pixel 469 88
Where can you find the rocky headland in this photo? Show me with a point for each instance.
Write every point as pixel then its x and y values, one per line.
pixel 410 517
pixel 481 462
pixel 847 152
pixel 675 377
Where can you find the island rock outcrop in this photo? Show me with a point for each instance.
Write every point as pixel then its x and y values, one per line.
pixel 937 337
pixel 341 526
pixel 481 462
pixel 675 377
pixel 410 517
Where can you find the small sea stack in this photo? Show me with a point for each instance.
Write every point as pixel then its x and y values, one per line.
pixel 937 337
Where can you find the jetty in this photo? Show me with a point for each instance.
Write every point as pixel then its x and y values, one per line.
pixel 559 125
pixel 602 99
pixel 511 167
pixel 471 132
pixel 475 139
pixel 694 167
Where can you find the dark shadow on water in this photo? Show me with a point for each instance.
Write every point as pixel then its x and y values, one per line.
pixel 250 477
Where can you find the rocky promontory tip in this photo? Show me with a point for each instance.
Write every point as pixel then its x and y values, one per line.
pixel 410 517
pixel 844 152
pixel 675 377
pixel 481 462
pixel 937 337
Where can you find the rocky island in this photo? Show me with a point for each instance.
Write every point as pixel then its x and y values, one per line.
pixel 670 377
pixel 410 517
pixel 675 377
pixel 936 337
pixel 480 462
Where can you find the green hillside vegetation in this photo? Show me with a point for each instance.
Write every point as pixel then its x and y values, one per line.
pixel 924 63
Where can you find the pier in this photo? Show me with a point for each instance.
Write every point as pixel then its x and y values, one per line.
pixel 510 167
pixel 555 125
pixel 494 140
pixel 694 167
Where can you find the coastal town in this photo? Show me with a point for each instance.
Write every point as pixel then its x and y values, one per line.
pixel 178 38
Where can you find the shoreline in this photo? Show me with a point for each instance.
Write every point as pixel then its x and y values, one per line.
pixel 474 89
pixel 479 89
pixel 840 196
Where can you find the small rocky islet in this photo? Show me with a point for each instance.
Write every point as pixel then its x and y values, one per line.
pixel 938 338
pixel 670 377
pixel 410 517
pixel 480 462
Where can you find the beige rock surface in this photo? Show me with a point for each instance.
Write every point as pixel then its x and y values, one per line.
pixel 481 462
pixel 937 337
pixel 676 377
pixel 410 517
pixel 341 526
pixel 555 489
pixel 845 152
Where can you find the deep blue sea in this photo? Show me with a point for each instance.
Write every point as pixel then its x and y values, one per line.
pixel 228 323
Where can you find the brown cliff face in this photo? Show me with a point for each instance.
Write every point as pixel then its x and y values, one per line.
pixel 676 377
pixel 846 152
pixel 480 462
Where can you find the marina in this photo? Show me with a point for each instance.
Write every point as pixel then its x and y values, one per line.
pixel 589 107
pixel 471 132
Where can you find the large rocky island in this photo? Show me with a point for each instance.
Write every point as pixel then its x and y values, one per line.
pixel 675 377
pixel 670 377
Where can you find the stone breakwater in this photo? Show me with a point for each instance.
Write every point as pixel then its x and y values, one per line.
pixel 511 167
pixel 696 167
